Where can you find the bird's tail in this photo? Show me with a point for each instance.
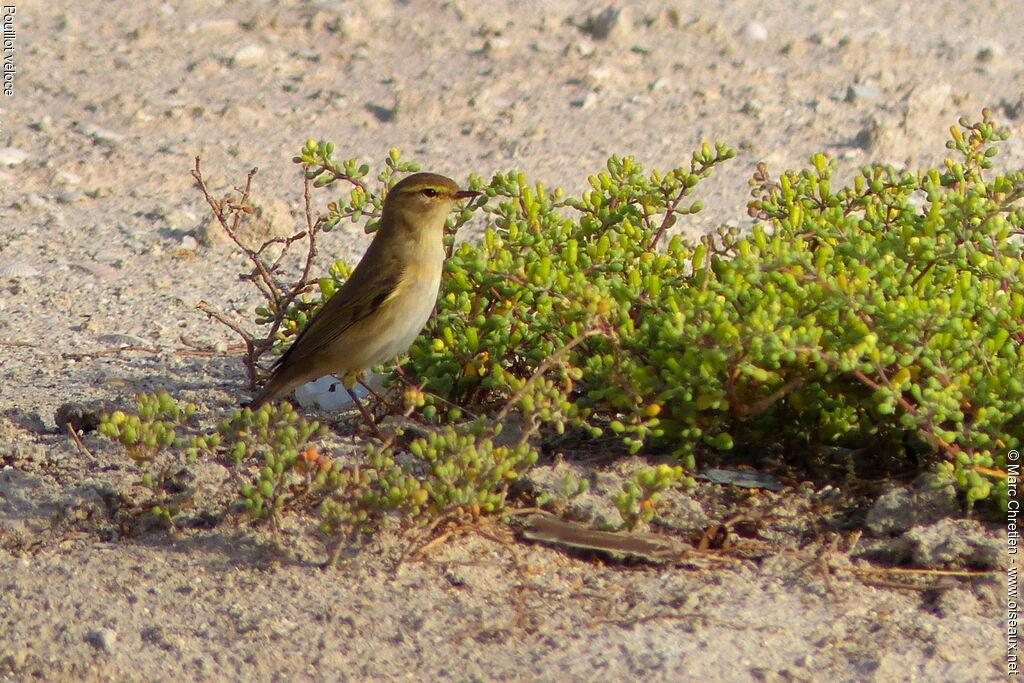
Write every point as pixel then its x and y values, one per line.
pixel 271 390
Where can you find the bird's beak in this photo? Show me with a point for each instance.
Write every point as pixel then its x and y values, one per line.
pixel 466 194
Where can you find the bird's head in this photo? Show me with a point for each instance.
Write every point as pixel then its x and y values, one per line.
pixel 422 200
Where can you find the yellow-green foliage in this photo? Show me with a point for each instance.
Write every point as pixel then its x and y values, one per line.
pixel 273 446
pixel 639 495
pixel 450 468
pixel 885 315
pixel 152 429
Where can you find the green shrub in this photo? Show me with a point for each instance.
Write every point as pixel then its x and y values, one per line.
pixel 883 316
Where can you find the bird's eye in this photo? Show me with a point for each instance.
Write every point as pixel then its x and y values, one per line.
pixel 429 192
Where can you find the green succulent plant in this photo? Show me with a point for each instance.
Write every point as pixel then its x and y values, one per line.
pixel 883 317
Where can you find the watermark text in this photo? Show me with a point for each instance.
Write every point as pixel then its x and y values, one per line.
pixel 1012 548
pixel 9 35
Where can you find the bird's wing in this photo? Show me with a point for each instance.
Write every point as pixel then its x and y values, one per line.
pixel 363 294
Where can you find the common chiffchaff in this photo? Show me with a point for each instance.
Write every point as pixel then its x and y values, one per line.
pixel 386 301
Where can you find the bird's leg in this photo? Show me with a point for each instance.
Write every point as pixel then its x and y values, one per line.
pixel 349 381
pixel 365 413
pixel 380 399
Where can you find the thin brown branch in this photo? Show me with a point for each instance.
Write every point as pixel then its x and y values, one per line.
pixel 556 357
pixel 78 440
pixel 253 347
pixel 236 209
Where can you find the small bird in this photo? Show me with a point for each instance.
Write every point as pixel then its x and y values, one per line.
pixel 384 304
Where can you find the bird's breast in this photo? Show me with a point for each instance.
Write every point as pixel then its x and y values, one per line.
pixel 409 308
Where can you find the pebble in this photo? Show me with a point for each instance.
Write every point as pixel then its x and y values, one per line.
pixel 12 156
pixel 100 134
pixel 584 47
pixel 43 125
pixel 34 201
pixel 862 91
pixel 213 26
pixel 613 22
pixel 352 24
pixel 109 257
pixel 56 219
pixel 498 46
pixel 249 55
pixel 754 31
pixel 70 197
pixel 16 269
pixel 182 219
pixel 100 270
pixel 67 178
pixel 989 53
pixel 102 639
pixel 752 107
pixel 588 101
pixel 328 394
pixel 925 501
pixel 121 341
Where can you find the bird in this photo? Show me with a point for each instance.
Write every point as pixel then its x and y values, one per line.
pixel 384 304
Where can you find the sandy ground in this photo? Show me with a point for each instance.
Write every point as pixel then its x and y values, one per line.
pixel 111 102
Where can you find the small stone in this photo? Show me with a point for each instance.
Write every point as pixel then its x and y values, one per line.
pixel 862 91
pixel 926 501
pixel 34 201
pixel 189 242
pixel 990 53
pixel 12 156
pixel 102 639
pixel 584 47
pixel 347 23
pixel 56 220
pixel 959 543
pixel 672 18
pixel 43 125
pixel 877 135
pixel 114 258
pixel 123 341
pixel 70 197
pixel 213 26
pixel 752 107
pixel 588 101
pixel 249 55
pixel 100 270
pixel 100 134
pixel 328 393
pixel 754 31
pixel 498 46
pixel 17 269
pixel 182 219
pixel 82 417
pixel 1014 110
pixel 612 22
pixel 660 84
pixel 383 114
pixel 67 178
